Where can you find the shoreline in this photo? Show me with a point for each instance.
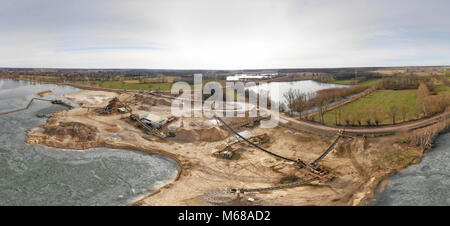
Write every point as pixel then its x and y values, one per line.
pixel 150 151
pixel 153 152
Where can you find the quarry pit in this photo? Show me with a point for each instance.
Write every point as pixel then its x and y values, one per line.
pixel 206 174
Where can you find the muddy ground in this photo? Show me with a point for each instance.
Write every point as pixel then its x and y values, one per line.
pixel 358 164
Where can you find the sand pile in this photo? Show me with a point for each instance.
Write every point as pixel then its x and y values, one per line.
pixel 261 139
pixel 91 98
pixel 164 102
pixel 209 135
pixel 114 104
pixel 219 197
pixel 76 131
pixel 213 134
pixel 143 108
pixel 45 93
pixel 154 101
pixel 67 135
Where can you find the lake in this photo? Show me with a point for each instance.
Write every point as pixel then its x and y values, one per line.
pixel 277 89
pixel 39 175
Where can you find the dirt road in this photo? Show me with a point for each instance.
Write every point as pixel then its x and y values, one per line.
pixel 375 130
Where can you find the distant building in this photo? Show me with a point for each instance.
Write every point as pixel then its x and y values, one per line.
pixel 244 77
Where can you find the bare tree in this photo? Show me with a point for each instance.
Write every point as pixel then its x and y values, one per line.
pixel 335 118
pixel 300 103
pixel 340 116
pixel 321 103
pixel 358 116
pixel 290 96
pixel 347 119
pixel 375 114
pixel 368 120
pixel 392 112
pixel 404 110
pixel 422 94
pixel 296 101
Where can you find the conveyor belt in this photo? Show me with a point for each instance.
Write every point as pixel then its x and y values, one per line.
pixel 255 145
pixel 25 108
pixel 325 153
pixel 295 184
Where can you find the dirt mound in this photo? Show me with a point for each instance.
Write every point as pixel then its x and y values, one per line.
pixel 139 97
pixel 219 197
pixel 143 108
pixel 76 131
pixel 209 135
pixel 67 135
pixel 213 134
pixel 114 104
pixel 155 101
pixel 45 93
pixel 149 101
pixel 164 102
pixel 261 139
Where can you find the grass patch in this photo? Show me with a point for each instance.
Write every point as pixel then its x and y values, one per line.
pixel 112 85
pixel 350 82
pixel 161 86
pixel 383 100
pixel 441 88
pixel 399 158
pixel 343 82
pixel 370 82
pixel 141 86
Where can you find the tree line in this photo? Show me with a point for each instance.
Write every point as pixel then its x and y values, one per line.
pixel 300 102
pixel 404 82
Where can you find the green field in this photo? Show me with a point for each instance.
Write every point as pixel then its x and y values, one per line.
pixel 350 82
pixel 139 86
pixel 441 88
pixel 343 82
pixel 128 86
pixel 370 82
pixel 383 99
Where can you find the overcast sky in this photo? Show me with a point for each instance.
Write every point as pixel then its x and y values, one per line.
pixel 223 34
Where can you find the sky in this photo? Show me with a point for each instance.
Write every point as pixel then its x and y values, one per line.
pixel 223 34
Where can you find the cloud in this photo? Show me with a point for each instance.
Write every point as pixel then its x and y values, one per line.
pixel 223 34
